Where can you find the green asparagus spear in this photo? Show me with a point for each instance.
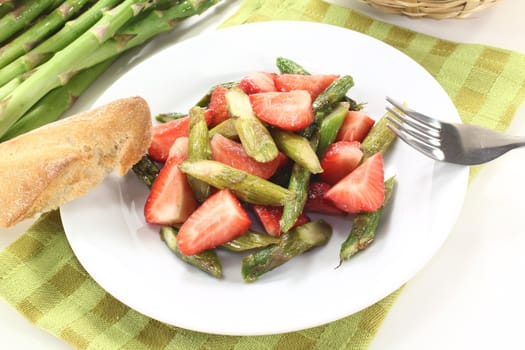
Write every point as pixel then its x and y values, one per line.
pixel 287 66
pixel 11 86
pixel 7 6
pixel 251 240
pixel 18 19
pixel 364 227
pixel 166 117
pixel 298 149
pixel 25 41
pixel 378 139
pixel 330 127
pixel 146 170
pixel 254 136
pixel 198 149
pixel 60 68
pixel 56 102
pixel 43 52
pixel 292 244
pixel 247 187
pixel 206 261
pixel 226 129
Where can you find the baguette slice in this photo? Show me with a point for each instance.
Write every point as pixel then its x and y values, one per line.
pixel 56 163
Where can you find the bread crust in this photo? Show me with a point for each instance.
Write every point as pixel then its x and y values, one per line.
pixel 61 161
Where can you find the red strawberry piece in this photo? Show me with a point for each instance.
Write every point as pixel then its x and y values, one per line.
pixel 287 110
pixel 171 200
pixel 233 154
pixel 355 126
pixel 218 106
pixel 218 220
pixel 316 201
pixel 339 160
pixel 257 82
pixel 270 216
pixel 314 84
pixel 363 189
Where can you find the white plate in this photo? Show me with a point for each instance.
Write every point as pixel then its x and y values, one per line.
pixel 107 231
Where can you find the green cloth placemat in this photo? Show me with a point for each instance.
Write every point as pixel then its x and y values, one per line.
pixel 42 279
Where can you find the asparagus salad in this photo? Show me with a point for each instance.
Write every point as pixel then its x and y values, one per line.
pixel 267 150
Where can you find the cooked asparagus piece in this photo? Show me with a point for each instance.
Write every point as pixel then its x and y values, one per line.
pixel 379 138
pixel 146 170
pixel 292 244
pixel 207 261
pixel 298 149
pixel 247 187
pixel 254 136
pixel 330 127
pixel 43 52
pixel 225 128
pixel 25 41
pixel 364 227
pixel 60 68
pixel 20 18
pixel 250 240
pixel 205 100
pixel 287 66
pixel 198 149
pixel 166 117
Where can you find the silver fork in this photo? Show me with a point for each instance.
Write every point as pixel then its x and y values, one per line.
pixel 449 142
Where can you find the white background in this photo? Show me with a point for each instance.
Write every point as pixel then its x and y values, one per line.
pixel 470 295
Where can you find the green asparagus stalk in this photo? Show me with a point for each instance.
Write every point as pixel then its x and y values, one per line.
pixel 247 187
pixel 287 66
pixel 11 86
pixel 364 227
pixel 378 139
pixel 226 129
pixel 298 149
pixel 25 41
pixel 166 117
pixel 205 100
pixel 6 6
pixel 56 102
pixel 146 170
pixel 22 16
pixel 330 127
pixel 300 178
pixel 43 52
pixel 254 136
pixel 198 149
pixel 207 261
pixel 60 68
pixel 292 244
pixel 250 240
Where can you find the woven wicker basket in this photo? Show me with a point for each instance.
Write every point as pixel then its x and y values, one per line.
pixel 439 9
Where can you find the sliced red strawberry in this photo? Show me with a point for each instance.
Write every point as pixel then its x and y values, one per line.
pixel 287 110
pixel 171 200
pixel 270 216
pixel 257 82
pixel 339 160
pixel 163 135
pixel 363 189
pixel 314 84
pixel 355 126
pixel 233 154
pixel 218 106
pixel 316 201
pixel 218 220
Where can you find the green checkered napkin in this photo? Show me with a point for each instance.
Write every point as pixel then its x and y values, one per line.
pixel 42 279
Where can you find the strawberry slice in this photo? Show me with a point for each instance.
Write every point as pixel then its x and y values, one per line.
pixel 316 201
pixel 163 135
pixel 171 200
pixel 339 160
pixel 218 220
pixel 290 111
pixel 258 82
pixel 270 216
pixel 233 154
pixel 314 84
pixel 355 126
pixel 218 106
pixel 363 189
